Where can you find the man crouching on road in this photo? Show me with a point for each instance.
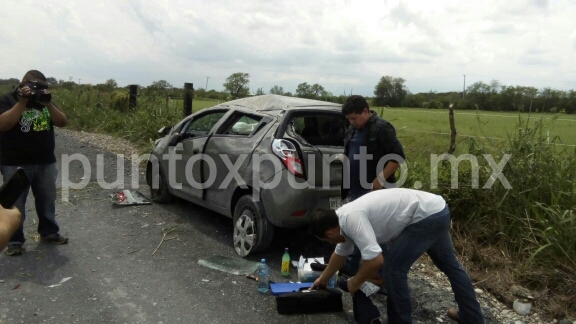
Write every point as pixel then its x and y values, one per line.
pixel 411 223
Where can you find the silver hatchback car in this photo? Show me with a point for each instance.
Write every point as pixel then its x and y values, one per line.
pixel 266 161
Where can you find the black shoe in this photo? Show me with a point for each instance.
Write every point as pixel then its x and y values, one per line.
pixel 15 250
pixel 54 239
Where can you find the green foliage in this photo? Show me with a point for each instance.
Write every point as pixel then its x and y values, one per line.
pixel 119 100
pixel 237 85
pixel 315 91
pixel 277 90
pixel 533 220
pixel 390 91
pixel 304 90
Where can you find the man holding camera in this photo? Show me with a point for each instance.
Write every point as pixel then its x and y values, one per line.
pixel 27 120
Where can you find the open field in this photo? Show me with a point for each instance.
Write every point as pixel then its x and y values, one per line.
pixel 493 125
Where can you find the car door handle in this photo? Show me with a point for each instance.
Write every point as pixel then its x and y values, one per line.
pixel 195 151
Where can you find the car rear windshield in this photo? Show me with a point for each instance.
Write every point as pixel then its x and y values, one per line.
pixel 321 129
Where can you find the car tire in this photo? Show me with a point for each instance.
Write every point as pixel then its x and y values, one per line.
pixel 161 195
pixel 252 231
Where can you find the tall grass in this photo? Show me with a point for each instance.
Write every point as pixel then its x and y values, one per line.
pixel 534 220
pixel 109 113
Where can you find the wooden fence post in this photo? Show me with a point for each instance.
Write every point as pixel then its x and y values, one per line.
pixel 188 91
pixel 133 94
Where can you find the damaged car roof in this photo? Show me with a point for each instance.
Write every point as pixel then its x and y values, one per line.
pixel 271 102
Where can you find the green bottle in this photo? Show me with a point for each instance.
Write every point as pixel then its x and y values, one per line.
pixel 285 264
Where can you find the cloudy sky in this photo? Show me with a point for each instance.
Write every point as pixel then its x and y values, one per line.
pixel 343 45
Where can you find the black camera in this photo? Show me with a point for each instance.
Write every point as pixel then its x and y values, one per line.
pixel 38 91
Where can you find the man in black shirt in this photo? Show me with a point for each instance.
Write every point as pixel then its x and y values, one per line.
pixel 373 154
pixel 27 120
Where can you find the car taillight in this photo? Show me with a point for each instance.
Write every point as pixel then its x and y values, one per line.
pixel 288 154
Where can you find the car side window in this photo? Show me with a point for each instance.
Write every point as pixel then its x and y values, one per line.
pixel 242 125
pixel 203 124
pixel 321 129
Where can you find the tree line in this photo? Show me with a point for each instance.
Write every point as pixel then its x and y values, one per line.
pixel 389 91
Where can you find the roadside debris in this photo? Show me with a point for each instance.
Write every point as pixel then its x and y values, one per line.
pixel 522 307
pixel 127 253
pixel 165 233
pixel 60 283
pixel 129 198
pixel 235 266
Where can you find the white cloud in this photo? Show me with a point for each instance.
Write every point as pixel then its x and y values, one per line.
pixel 339 44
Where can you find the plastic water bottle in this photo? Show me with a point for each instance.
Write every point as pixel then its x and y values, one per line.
pixel 332 281
pixel 263 276
pixel 285 264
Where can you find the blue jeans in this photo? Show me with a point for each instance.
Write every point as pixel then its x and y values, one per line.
pixel 43 185
pixel 431 236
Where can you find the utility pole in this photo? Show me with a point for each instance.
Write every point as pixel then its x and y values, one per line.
pixel 79 81
pixel 70 79
pixel 207 83
pixel 464 87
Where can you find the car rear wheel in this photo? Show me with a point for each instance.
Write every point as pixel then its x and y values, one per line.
pixel 252 231
pixel 160 195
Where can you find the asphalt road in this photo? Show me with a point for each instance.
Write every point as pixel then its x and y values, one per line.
pixel 116 279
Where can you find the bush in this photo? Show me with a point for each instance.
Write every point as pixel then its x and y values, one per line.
pixel 533 219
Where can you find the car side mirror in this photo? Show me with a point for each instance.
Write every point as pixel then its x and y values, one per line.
pixel 174 139
pixel 164 130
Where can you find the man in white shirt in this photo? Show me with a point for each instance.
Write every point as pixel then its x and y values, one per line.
pixel 411 223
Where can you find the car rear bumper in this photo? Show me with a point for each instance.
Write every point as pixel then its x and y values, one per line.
pixel 289 206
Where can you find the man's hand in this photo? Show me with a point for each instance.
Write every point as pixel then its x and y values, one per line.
pixel 318 284
pixel 352 286
pixel 23 94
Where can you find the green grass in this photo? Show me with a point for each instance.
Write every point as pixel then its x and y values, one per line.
pixel 495 125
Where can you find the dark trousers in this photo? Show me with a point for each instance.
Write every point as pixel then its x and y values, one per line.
pixel 43 185
pixel 365 312
pixel 431 236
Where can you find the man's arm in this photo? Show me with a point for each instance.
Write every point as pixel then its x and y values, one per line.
pixel 9 223
pixel 391 144
pixel 388 170
pixel 10 117
pixel 367 270
pixel 336 262
pixel 57 116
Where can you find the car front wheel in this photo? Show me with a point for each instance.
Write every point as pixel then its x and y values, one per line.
pixel 252 231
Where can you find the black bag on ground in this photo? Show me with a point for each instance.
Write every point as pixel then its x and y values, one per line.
pixel 307 301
